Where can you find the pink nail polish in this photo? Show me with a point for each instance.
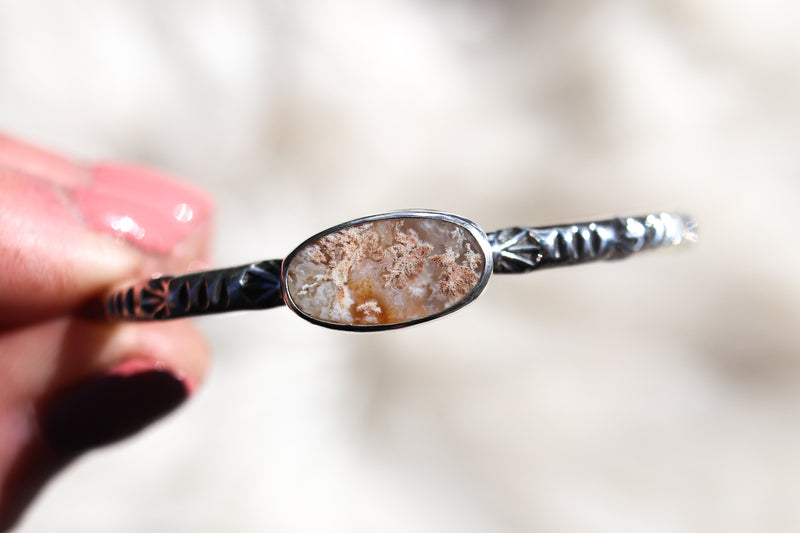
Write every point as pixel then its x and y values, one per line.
pixel 148 209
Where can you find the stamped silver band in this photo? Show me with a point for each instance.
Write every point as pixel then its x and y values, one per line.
pixel 522 249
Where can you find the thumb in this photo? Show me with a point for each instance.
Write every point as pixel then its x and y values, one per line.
pixel 66 229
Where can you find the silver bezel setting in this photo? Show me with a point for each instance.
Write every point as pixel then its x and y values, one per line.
pixel 478 234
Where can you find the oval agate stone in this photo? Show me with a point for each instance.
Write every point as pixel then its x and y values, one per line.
pixel 384 272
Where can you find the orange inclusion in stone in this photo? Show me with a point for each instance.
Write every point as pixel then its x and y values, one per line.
pixel 364 293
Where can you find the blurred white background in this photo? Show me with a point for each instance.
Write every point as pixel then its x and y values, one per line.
pixel 658 394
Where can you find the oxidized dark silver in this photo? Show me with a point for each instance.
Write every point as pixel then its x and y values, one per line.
pixel 521 249
pixel 248 287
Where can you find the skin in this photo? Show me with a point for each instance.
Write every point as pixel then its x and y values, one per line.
pixel 53 262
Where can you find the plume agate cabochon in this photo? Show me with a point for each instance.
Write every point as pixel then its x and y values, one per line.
pixel 387 270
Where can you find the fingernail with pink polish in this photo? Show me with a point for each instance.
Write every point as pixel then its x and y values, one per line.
pixel 113 406
pixel 148 209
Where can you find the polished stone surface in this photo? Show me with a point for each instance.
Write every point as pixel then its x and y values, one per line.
pixel 385 272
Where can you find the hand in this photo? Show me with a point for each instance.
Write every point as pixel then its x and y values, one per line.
pixel 68 383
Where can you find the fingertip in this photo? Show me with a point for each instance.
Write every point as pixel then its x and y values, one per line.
pixel 142 373
pixel 177 345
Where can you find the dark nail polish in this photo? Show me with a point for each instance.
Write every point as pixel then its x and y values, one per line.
pixel 108 408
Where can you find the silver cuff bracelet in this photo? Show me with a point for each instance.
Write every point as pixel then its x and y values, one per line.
pixel 392 270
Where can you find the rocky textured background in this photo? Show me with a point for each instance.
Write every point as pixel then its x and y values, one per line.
pixel 659 394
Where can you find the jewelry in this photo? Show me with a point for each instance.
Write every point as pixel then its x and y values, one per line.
pixel 394 269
